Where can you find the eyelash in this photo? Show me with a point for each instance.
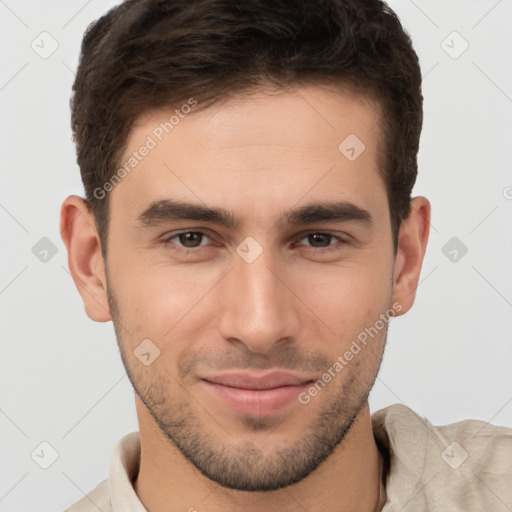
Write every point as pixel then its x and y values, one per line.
pixel 166 242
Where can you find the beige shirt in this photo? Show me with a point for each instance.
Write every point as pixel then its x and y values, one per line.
pixel 461 467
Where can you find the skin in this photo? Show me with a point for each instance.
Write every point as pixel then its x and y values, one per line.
pixel 297 307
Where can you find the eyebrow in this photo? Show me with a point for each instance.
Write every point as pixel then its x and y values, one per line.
pixel 167 210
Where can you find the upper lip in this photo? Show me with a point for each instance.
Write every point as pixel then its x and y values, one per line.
pixel 246 380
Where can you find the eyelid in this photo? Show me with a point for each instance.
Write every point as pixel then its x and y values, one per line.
pixel 340 235
pixel 321 233
pixel 165 240
pixel 341 240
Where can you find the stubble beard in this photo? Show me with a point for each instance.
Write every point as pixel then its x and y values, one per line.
pixel 242 465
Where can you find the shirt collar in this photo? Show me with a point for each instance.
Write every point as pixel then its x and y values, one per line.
pixel 404 438
pixel 124 467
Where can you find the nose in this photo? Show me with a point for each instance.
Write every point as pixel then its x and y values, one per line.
pixel 259 308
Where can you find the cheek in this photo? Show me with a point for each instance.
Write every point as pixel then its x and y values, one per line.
pixel 168 306
pixel 347 297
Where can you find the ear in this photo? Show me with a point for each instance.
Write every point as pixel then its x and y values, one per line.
pixel 412 244
pixel 79 233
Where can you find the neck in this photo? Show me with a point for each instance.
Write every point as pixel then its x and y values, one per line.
pixel 349 479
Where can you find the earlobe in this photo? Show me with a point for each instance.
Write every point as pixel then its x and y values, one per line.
pixel 412 244
pixel 79 234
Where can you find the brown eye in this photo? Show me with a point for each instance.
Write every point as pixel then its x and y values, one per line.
pixel 188 239
pixel 319 239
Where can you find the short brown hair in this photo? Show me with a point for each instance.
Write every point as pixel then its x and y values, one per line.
pixel 148 54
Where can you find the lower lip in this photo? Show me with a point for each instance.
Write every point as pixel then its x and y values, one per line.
pixel 257 402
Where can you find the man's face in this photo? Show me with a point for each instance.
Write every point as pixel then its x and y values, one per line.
pixel 281 292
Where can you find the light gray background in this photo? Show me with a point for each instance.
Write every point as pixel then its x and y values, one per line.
pixel 62 380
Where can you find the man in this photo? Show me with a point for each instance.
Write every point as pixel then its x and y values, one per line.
pixel 248 227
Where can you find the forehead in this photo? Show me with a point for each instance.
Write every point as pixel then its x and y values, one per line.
pixel 272 148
